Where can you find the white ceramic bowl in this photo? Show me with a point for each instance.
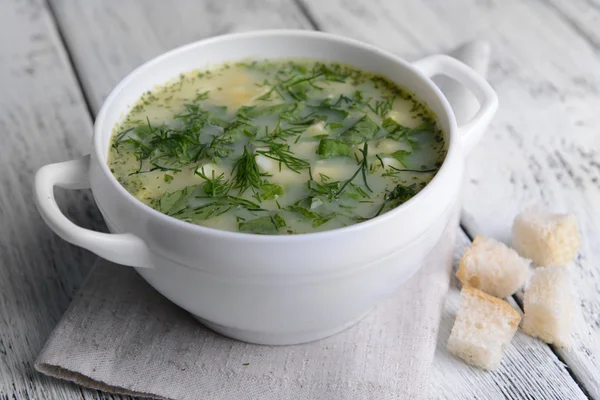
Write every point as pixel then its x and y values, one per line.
pixel 270 289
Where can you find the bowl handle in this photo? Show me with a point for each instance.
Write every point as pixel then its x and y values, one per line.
pixel 122 248
pixel 471 131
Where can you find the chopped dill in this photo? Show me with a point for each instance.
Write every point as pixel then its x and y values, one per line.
pixel 246 173
pixel 322 121
pixel 363 168
pixel 281 153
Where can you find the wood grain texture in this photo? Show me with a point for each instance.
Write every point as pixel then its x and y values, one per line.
pixel 42 120
pixel 543 145
pixel 582 16
pixel 86 28
pixel 107 44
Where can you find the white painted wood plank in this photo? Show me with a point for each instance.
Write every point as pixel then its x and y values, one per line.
pixel 543 144
pixel 42 120
pixel 583 16
pixel 111 38
pixel 89 50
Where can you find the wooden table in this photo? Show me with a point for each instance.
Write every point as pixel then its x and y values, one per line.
pixel 59 60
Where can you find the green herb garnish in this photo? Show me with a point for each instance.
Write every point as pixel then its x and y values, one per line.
pixel 285 101
pixel 329 148
pixel 362 168
pixel 271 191
pixel 364 129
pixel 215 206
pixel 401 155
pixel 382 107
pixel 397 196
pixel 214 185
pixel 246 173
pixel 268 225
pixel 174 202
pixel 316 218
pixel 281 153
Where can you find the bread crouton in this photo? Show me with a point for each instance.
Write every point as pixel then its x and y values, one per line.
pixel 483 327
pixel 492 267
pixel 549 306
pixel 547 239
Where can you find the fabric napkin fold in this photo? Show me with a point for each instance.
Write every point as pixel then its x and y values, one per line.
pixel 120 335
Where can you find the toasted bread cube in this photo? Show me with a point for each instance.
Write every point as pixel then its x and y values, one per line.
pixel 546 238
pixel 483 327
pixel 492 267
pixel 549 306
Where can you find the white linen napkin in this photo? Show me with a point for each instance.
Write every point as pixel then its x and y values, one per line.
pixel 120 335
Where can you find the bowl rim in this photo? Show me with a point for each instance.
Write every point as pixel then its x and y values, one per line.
pixel 451 136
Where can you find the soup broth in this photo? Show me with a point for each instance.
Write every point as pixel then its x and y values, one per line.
pixel 276 147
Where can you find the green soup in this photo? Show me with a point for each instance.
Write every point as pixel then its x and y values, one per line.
pixel 276 147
